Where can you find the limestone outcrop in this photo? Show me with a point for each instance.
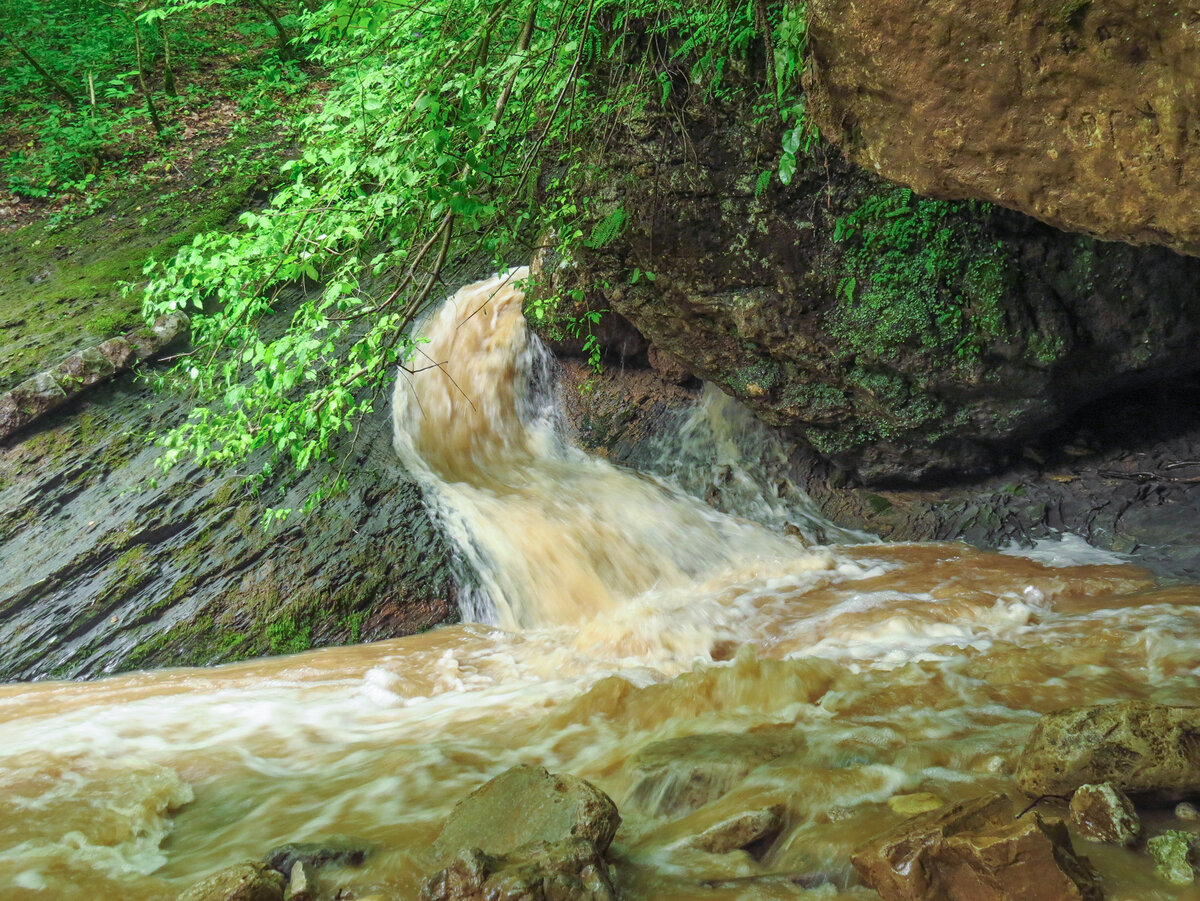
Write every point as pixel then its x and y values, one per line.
pixel 1083 114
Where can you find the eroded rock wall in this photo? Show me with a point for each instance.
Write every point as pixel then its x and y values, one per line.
pixel 905 339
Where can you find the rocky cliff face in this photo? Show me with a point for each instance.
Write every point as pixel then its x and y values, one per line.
pixel 107 564
pixel 904 338
pixel 1083 114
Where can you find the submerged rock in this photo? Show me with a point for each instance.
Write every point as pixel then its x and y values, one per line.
pixel 678 775
pixel 337 851
pixel 976 851
pixel 1139 747
pixel 1187 811
pixel 249 881
pixel 569 870
pixel 915 803
pixel 1173 853
pixel 523 805
pixel 752 831
pixel 1104 813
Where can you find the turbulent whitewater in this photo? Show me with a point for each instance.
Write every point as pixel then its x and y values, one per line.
pixel 612 609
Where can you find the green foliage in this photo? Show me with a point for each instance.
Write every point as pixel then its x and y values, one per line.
pixel 791 47
pixel 916 277
pixel 453 132
pixel 86 81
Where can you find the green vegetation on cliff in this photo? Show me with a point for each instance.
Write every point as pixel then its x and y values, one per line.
pixel 917 279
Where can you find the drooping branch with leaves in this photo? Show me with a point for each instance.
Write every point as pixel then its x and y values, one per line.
pixel 455 131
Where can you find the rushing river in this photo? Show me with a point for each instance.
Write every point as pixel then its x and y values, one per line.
pixel 620 611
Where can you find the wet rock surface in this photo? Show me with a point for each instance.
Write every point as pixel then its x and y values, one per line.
pixel 676 776
pixel 568 870
pixel 893 378
pixel 106 563
pixel 1123 475
pixel 1142 748
pixel 333 852
pixel 524 805
pixel 249 881
pixel 752 831
pixel 976 851
pixel 1104 813
pixel 1080 114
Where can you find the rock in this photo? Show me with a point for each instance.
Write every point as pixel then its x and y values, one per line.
pixel 976 851
pixel 677 776
pixel 1104 813
pixel 1173 853
pixel 1141 748
pixel 336 851
pixel 527 804
pixel 249 881
pixel 1187 811
pixel 918 802
pixel 1080 114
pixel 300 885
pixel 756 828
pixel 38 395
pixel 852 342
pixel 569 870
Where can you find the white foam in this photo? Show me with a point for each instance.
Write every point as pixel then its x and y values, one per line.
pixel 1064 550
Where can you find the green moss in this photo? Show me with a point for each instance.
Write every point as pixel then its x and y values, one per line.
pixel 61 288
pixel 757 379
pixel 918 276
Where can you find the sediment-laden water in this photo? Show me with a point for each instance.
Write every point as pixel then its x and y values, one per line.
pixel 614 610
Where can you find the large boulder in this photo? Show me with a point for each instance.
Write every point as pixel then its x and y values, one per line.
pixel 1085 115
pixel 1139 747
pixel 976 851
pixel 524 805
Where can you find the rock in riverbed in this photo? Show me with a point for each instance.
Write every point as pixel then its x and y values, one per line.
pixel 249 881
pixel 1139 747
pixel 524 805
pixel 976 850
pixel 1174 852
pixel 676 776
pixel 1104 813
pixel 570 870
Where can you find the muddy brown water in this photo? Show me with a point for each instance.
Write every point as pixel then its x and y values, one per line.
pixel 613 611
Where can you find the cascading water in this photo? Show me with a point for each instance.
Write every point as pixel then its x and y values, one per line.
pixel 622 612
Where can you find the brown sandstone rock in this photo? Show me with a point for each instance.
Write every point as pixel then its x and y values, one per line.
pixel 976 851
pixel 1084 115
pixel 1104 813
pixel 1141 748
pixel 527 804
pixel 570 870
pixel 249 881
